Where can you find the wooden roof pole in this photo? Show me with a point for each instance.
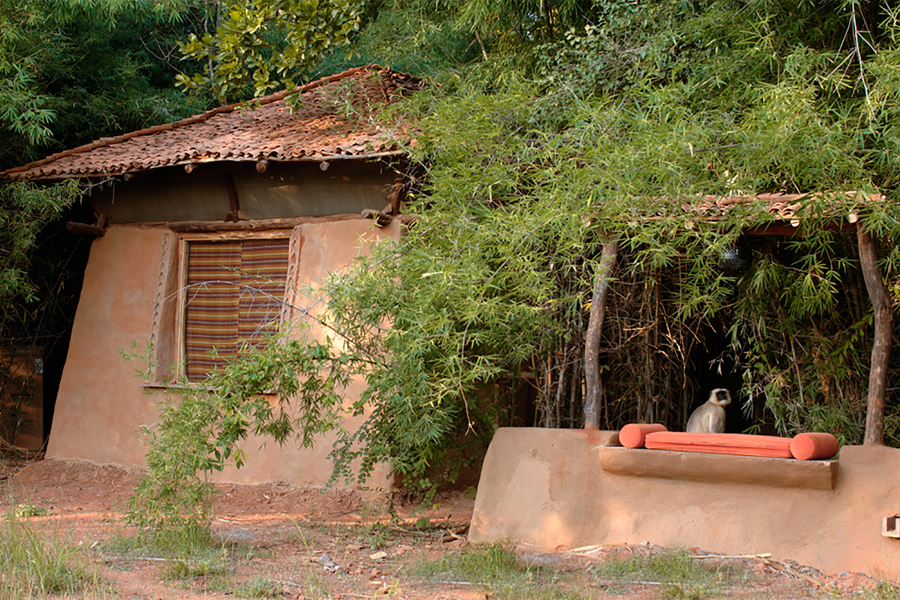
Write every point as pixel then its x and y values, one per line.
pixel 881 346
pixel 593 385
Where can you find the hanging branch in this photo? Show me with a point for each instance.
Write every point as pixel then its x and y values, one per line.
pixel 592 337
pixel 855 53
pixel 881 345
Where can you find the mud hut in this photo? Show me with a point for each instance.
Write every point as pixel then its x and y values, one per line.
pixel 206 231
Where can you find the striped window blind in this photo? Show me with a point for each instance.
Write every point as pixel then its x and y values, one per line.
pixel 232 299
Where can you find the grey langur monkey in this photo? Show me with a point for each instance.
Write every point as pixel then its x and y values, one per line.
pixel 710 417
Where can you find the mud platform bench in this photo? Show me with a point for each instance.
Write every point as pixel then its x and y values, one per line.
pixel 719 468
pixel 651 451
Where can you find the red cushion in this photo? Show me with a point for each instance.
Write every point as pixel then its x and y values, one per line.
pixel 814 446
pixel 737 444
pixel 633 434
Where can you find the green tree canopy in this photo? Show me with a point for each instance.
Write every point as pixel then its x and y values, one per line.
pixel 70 73
pixel 259 45
pixel 551 125
pixel 616 121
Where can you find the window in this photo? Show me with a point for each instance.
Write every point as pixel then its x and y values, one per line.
pixel 232 293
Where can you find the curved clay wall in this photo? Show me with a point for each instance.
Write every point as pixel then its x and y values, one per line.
pixel 547 487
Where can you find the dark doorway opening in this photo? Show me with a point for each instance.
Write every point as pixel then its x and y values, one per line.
pixel 715 364
pixel 57 267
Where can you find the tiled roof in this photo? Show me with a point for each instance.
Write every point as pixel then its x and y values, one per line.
pixel 319 128
pixel 786 211
pixel 785 207
pixel 782 205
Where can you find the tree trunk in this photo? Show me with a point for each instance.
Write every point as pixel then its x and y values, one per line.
pixel 881 346
pixel 594 388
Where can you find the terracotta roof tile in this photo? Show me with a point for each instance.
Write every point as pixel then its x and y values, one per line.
pixel 784 206
pixel 262 129
pixel 843 206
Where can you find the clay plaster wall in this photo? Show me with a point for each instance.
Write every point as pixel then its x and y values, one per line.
pixel 101 403
pixel 547 487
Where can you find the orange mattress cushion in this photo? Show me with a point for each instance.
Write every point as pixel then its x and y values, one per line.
pixel 814 446
pixel 633 434
pixel 737 444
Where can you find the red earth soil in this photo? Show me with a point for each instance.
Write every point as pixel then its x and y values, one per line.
pixel 309 543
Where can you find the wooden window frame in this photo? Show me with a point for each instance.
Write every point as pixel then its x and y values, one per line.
pixel 184 242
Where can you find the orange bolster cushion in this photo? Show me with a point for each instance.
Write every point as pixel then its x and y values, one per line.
pixel 814 446
pixel 737 444
pixel 633 434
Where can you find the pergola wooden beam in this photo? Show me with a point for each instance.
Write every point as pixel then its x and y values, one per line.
pixel 881 346
pixel 787 228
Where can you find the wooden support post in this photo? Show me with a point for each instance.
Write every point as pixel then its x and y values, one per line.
pixel 594 392
pixel 881 346
pixel 235 214
pixel 395 197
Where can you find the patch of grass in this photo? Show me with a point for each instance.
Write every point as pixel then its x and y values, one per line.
pixel 375 535
pixel 886 591
pixel 26 510
pixel 677 574
pixel 36 564
pixel 198 556
pixel 222 583
pixel 482 564
pixel 313 585
pixel 174 542
pixel 211 563
pixel 497 570
pixel 258 587
pixel 189 552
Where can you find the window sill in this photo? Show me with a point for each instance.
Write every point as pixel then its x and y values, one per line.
pixel 163 387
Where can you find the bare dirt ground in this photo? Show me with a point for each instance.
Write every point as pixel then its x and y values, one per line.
pixel 308 544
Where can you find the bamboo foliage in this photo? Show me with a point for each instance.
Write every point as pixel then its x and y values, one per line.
pixel 615 120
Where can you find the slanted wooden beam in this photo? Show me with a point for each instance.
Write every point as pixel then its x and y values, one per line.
pixel 255 225
pixel 881 346
pixel 594 393
pixel 380 217
pixel 85 229
pixel 787 228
